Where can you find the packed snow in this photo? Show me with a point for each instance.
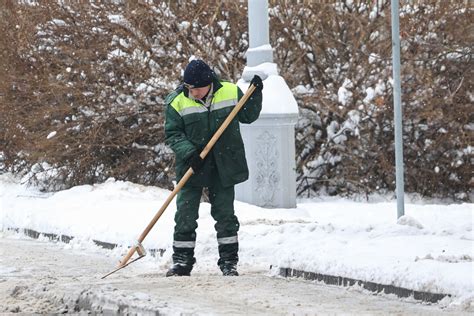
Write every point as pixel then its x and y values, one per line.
pixel 429 249
pixel 55 278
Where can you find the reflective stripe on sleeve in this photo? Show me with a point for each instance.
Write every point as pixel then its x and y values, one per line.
pixel 184 244
pixel 227 240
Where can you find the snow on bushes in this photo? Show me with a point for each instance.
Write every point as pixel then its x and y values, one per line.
pixel 97 75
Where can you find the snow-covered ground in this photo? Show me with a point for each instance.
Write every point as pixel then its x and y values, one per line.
pixel 48 278
pixel 430 249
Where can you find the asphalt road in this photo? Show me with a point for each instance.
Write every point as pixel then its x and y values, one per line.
pixel 45 277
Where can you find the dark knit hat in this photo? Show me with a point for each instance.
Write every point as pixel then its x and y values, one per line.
pixel 197 74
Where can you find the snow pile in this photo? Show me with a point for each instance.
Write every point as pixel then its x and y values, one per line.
pixel 277 96
pixel 429 249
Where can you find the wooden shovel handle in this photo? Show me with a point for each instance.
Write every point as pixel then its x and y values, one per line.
pixel 189 173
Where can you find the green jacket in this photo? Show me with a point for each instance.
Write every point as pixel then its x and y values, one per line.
pixel 190 125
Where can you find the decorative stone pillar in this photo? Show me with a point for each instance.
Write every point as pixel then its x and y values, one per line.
pixel 269 141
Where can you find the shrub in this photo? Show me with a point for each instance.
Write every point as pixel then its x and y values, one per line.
pixel 82 88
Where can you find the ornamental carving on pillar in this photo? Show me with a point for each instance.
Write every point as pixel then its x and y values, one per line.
pixel 267 177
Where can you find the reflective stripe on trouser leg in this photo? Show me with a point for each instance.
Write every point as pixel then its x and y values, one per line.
pixel 184 244
pixel 227 224
pixel 186 216
pixel 227 240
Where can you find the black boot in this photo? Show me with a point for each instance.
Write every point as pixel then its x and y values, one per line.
pixel 179 270
pixel 229 270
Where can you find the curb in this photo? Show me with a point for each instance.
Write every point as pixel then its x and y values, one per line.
pixel 371 286
pixel 67 239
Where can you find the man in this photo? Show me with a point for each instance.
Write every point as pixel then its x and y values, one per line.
pixel 194 112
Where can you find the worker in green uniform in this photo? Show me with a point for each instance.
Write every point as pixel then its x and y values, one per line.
pixel 194 112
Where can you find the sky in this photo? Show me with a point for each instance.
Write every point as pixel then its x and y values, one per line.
pixel 429 249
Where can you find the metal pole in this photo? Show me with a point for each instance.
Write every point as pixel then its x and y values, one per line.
pixel 259 50
pixel 397 108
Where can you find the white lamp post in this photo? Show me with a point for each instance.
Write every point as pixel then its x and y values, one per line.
pixel 269 141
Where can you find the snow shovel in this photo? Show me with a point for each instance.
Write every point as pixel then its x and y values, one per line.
pixel 138 247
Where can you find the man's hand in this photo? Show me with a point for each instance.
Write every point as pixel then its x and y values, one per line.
pixel 257 82
pixel 196 162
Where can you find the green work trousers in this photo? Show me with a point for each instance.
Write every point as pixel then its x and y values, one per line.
pixel 222 210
